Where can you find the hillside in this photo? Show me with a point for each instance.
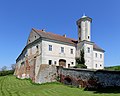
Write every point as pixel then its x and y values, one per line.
pixel 116 68
pixel 10 86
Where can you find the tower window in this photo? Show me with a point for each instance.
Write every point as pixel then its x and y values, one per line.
pixel 72 63
pixel 96 55
pixel 88 37
pixel 71 51
pixel 88 50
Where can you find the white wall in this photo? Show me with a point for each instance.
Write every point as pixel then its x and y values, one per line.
pixel 88 56
pixel 85 30
pixel 97 60
pixel 82 30
pixel 56 55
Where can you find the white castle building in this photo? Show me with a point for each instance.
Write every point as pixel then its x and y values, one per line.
pixel 52 49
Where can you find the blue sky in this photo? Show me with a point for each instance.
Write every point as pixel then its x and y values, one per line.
pixel 17 17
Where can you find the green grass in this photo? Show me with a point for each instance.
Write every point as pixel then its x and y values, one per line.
pixel 10 86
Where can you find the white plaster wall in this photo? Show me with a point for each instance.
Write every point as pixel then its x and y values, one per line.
pixel 88 56
pixel 97 60
pixel 82 30
pixel 88 33
pixel 56 54
pixel 28 50
pixel 32 37
pixel 85 30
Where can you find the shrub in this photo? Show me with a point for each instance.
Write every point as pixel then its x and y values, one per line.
pixel 80 66
pixel 8 72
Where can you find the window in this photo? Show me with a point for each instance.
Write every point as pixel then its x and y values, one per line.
pixel 100 55
pixel 55 62
pixel 37 46
pixel 23 63
pixel 95 54
pixel 88 37
pixel 68 65
pixel 62 49
pixel 50 47
pixel 71 51
pixel 35 36
pixel 50 62
pixel 100 65
pixel 88 50
pixel 72 63
pixel 96 65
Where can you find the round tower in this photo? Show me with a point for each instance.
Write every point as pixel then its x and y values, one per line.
pixel 84 27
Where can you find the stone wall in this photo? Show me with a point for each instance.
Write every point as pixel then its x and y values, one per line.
pixel 71 76
pixel 89 78
pixel 108 78
pixel 46 73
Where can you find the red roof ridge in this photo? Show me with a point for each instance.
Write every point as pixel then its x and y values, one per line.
pixel 54 34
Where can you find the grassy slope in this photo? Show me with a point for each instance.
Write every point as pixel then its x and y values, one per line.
pixel 10 86
pixel 113 68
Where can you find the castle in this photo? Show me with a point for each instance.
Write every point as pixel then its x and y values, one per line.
pixel 45 48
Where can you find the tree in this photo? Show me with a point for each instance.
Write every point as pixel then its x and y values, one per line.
pixel 4 68
pixel 13 66
pixel 81 61
pixel 82 56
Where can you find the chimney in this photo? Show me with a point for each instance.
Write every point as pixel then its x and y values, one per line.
pixel 43 30
pixel 64 35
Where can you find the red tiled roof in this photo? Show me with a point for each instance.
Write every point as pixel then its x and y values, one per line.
pixel 57 37
pixel 53 36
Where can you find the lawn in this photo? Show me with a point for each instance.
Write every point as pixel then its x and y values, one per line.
pixel 10 86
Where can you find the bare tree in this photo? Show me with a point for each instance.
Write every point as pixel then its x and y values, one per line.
pixel 4 68
pixel 13 66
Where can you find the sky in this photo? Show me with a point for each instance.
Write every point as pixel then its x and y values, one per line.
pixel 18 17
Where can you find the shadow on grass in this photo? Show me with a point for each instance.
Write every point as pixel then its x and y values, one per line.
pixel 109 89
pixel 28 79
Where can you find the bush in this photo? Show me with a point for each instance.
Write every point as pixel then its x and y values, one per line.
pixel 8 72
pixel 80 66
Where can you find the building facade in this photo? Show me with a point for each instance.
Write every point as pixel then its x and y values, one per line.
pixel 94 55
pixel 45 48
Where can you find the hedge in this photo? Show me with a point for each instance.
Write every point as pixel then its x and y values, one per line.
pixel 8 72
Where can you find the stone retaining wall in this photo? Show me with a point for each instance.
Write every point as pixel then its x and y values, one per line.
pixel 89 78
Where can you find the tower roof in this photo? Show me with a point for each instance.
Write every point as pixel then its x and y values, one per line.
pixel 84 18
